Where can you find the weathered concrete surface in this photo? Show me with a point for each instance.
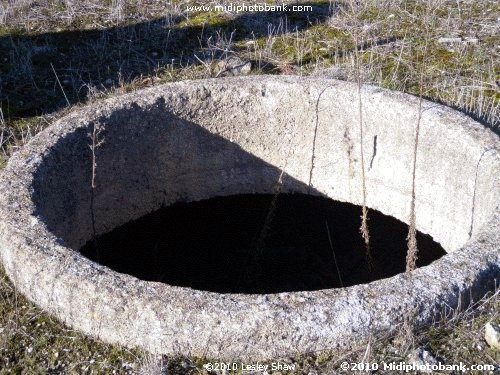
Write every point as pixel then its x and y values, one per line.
pixel 197 139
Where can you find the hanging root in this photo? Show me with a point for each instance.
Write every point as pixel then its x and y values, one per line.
pixel 96 141
pixel 277 188
pixel 365 233
pixel 412 254
pixel 364 216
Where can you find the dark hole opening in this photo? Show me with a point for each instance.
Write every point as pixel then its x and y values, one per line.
pixel 212 245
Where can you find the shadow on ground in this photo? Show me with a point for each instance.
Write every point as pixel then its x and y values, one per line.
pixel 86 60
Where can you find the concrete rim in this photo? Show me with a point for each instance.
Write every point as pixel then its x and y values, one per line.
pixel 121 309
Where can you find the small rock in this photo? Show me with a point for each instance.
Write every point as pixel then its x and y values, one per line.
pixel 492 335
pixel 470 40
pixel 234 65
pixel 422 357
pixel 457 40
pixel 449 40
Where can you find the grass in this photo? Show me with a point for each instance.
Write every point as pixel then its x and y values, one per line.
pixel 99 48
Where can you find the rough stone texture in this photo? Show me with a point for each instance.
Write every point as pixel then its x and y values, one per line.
pixel 422 357
pixel 233 65
pixel 492 335
pixel 197 139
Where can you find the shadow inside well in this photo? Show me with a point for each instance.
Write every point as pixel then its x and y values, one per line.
pixel 223 245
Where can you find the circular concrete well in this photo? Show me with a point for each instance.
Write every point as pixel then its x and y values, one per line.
pixel 232 139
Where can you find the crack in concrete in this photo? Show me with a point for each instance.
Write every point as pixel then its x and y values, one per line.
pixel 315 135
pixel 374 151
pixel 475 188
